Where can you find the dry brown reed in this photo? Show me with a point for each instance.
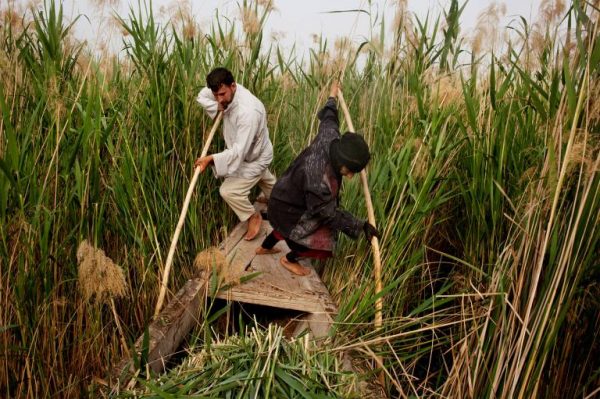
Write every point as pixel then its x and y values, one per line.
pixel 11 18
pixel 227 40
pixel 100 279
pixel 552 10
pixel 4 66
pixel 486 30
pixel 401 16
pixel 99 4
pixel 375 45
pixel 55 97
pixel 210 258
pixel 19 232
pixel 34 4
pixel 115 24
pixel 250 21
pixel 583 153
pixel 267 5
pixel 594 104
pixel 544 31
pixel 213 260
pixel 277 36
pixel 421 161
pixel 181 16
pixel 329 63
pixel 287 81
pixel 402 28
pixel 14 14
pixel 446 89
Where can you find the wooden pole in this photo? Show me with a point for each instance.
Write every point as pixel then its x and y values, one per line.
pixel 371 217
pixel 186 203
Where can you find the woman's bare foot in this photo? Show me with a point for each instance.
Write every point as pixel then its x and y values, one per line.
pixel 265 251
pixel 294 267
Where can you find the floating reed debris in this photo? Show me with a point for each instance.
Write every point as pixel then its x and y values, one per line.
pixel 213 260
pixel 209 258
pixel 100 279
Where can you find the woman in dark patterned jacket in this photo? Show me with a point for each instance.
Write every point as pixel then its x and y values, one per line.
pixel 304 205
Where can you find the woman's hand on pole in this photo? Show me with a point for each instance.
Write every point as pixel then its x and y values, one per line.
pixel 333 91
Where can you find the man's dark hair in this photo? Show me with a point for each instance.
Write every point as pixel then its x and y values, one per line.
pixel 218 77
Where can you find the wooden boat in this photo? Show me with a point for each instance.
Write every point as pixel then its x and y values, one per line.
pixel 248 278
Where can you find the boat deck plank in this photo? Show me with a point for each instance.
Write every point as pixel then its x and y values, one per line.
pixel 266 282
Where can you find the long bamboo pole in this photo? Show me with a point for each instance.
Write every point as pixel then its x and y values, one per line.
pixel 371 216
pixel 186 203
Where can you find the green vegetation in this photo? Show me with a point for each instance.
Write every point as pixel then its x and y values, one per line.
pixel 485 180
pixel 260 364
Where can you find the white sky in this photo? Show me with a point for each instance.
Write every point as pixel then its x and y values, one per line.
pixel 296 19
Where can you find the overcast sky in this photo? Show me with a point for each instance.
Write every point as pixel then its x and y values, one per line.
pixel 295 20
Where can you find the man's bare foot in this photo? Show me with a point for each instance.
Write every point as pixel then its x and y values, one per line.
pixel 253 226
pixel 294 267
pixel 265 251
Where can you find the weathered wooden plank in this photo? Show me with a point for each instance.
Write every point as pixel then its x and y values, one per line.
pixel 236 235
pixel 242 254
pixel 276 274
pixel 275 286
pixel 272 289
pixel 285 280
pixel 169 329
pixel 259 293
pixel 233 238
pixel 238 258
pixel 320 321
pixel 319 290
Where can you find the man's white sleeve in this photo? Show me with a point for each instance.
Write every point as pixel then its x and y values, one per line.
pixel 230 160
pixel 208 102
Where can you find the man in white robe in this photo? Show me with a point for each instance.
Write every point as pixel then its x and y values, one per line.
pixel 245 161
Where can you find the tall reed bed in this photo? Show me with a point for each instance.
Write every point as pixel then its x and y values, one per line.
pixel 484 175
